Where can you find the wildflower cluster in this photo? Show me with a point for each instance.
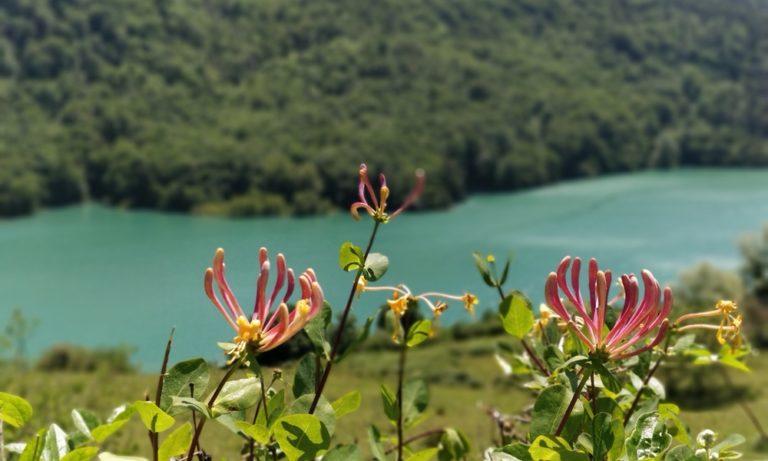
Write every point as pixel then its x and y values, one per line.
pixel 402 296
pixel 639 318
pixel 271 323
pixel 376 207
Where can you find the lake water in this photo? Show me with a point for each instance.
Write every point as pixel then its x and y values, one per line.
pixel 98 276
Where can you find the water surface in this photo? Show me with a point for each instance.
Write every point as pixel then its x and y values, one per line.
pixel 98 276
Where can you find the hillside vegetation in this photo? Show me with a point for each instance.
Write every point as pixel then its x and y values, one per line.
pixel 239 107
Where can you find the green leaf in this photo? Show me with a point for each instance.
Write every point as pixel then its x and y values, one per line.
pixel 549 409
pixel 301 437
pixel 121 415
pixel 415 401
pixel 418 333
pixel 670 412
pixel 516 314
pixel 306 376
pixel 350 257
pixel 176 443
pixel 607 377
pixel 34 448
pixel 230 421
pixel 56 446
pixel 316 329
pixel 423 455
pixel 545 448
pixel 14 410
pixel 85 421
pixel 346 404
pixel 649 438
pixel 390 403
pixel 518 451
pixel 374 439
pixel 729 442
pixel 81 454
pixel 237 395
pixel 191 404
pixel 453 445
pixel 154 419
pixel 183 375
pixel 344 453
pixel 483 269
pixel 602 439
pixel 617 430
pixel 275 407
pixel 683 343
pixel 681 453
pixel 324 411
pixel 505 272
pixel 375 266
pixel 258 432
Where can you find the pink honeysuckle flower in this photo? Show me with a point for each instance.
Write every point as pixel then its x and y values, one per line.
pixel 377 207
pixel 636 321
pixel 271 323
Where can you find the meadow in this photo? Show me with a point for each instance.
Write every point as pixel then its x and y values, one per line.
pixel 465 384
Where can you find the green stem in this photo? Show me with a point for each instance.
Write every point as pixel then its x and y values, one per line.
pixel 647 379
pixel 400 379
pixel 343 322
pixel 572 404
pixel 201 424
pixel 154 436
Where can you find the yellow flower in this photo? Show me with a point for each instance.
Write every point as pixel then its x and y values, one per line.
pixel 470 301
pixel 247 331
pixel 398 304
pixel 729 329
pixel 361 284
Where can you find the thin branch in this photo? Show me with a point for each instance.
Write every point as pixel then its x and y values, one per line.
pixel 572 404
pixel 342 323
pixel 215 394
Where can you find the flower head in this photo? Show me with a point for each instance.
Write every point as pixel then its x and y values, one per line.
pixel 377 206
pixel 637 320
pixel 271 323
pixel 729 329
pixel 402 297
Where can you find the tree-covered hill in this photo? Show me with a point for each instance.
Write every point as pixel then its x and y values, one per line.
pixel 252 107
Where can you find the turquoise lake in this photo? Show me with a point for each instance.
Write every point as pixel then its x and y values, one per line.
pixel 98 276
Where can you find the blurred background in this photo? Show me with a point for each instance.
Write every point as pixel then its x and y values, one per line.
pixel 136 137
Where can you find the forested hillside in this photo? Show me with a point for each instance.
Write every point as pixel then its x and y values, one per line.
pixel 256 107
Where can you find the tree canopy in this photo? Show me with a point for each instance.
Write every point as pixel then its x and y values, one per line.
pixel 241 108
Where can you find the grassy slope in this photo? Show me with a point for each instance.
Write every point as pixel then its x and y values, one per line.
pixel 465 383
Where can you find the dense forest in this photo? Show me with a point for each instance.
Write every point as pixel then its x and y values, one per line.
pixel 247 107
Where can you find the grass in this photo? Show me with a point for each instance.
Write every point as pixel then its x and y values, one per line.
pixel 464 384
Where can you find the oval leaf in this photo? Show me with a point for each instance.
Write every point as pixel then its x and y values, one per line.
pixel 516 314
pixel 14 410
pixel 176 443
pixel 154 419
pixel 182 378
pixel 301 437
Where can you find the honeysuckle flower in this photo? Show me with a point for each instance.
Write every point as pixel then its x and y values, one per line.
pixel 402 297
pixel 636 322
pixel 547 315
pixel 377 206
pixel 470 301
pixel 729 329
pixel 271 323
